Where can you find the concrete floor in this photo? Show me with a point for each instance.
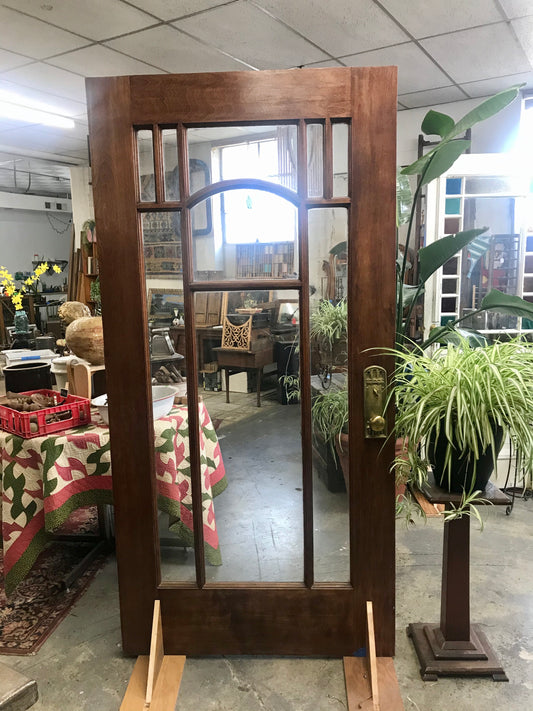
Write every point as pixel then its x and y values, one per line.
pixel 81 665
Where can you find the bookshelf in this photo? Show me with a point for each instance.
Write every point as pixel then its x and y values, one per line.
pixel 269 261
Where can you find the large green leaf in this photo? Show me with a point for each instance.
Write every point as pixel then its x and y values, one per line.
pixel 433 256
pixel 404 199
pixel 339 248
pixel 507 304
pixel 408 294
pixel 485 110
pixel 443 159
pixel 438 124
pixel 453 334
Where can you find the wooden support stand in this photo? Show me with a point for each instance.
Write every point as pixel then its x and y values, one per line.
pixel 155 681
pixel 454 647
pixel 371 682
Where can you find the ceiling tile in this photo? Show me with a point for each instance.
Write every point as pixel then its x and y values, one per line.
pixel 8 60
pixel 487 87
pixel 340 27
pixel 100 61
pixel 96 19
pixel 252 36
pixel 52 79
pixel 524 32
pixel 416 72
pixel 327 63
pixel 445 95
pixel 470 55
pixel 517 8
pixel 33 138
pixel 61 105
pixel 34 38
pixel 171 10
pixel 172 50
pixel 423 19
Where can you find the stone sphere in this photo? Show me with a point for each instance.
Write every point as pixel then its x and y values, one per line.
pixel 85 338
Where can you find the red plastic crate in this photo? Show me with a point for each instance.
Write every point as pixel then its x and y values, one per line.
pixel 19 423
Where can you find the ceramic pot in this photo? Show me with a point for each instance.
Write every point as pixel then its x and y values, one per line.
pixel 85 338
pixel 465 473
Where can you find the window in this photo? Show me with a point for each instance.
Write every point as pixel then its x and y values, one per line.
pixel 250 216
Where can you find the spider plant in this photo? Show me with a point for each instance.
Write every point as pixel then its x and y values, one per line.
pixel 468 398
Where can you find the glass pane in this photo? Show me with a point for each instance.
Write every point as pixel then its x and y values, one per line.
pixel 448 305
pixel 340 133
pixel 453 206
pixel 450 267
pixel 529 264
pixel 252 234
pixel 263 152
pixel 329 357
pixel 449 286
pixel 452 225
pixel 315 160
pixel 250 456
pixel 169 140
pixel 165 308
pixel 162 244
pixel 528 284
pixel 453 186
pixel 145 152
pixel 500 184
pixel 529 243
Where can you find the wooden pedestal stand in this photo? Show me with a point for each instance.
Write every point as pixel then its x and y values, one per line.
pixel 455 647
pixel 371 682
pixel 155 681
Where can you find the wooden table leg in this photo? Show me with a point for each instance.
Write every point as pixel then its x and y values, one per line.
pixel 454 647
pixel 226 376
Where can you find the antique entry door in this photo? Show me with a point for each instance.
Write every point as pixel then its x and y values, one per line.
pixel 262 194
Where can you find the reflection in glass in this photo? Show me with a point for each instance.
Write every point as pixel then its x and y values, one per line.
pixel 259 522
pixel 315 160
pixel 263 152
pixel 328 229
pixel 162 244
pixel 170 163
pixel 340 134
pixel 253 235
pixel 145 153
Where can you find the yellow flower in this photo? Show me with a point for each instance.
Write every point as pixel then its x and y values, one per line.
pixel 57 269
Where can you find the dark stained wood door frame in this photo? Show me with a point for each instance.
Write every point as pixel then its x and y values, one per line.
pixel 277 618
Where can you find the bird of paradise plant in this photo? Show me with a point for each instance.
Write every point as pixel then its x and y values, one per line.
pixel 16 293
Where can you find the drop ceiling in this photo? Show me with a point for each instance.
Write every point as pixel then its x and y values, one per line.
pixel 445 51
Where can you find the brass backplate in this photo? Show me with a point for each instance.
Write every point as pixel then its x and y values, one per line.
pixel 375 393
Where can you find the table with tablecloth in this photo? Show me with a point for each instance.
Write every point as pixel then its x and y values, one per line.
pixel 45 478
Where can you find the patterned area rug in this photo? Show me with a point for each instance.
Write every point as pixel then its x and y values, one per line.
pixel 34 610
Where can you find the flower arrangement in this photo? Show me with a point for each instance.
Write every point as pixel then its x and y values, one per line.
pixel 16 294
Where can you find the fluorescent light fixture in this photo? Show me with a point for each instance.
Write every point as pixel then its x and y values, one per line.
pixel 20 108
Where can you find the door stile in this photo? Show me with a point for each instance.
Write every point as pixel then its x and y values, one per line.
pixel 328 160
pixel 305 367
pixel 132 454
pixel 371 324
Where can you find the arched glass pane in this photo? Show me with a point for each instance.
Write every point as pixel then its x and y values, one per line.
pixel 253 234
pixel 229 152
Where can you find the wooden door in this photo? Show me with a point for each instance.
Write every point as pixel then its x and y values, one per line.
pixel 303 616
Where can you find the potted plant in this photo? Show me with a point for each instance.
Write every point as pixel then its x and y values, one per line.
pixel 454 408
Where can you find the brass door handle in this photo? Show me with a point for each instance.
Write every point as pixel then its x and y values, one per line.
pixel 375 386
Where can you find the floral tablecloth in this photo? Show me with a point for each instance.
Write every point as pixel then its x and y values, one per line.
pixel 44 479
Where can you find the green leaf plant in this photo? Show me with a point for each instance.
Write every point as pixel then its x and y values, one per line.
pixel 464 394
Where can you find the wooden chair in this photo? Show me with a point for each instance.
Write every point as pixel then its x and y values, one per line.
pixel 79 378
pixel 237 337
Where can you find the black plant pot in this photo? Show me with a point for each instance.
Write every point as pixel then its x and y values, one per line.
pixel 463 468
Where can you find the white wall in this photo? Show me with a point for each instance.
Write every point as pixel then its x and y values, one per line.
pixel 29 235
pixel 495 135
